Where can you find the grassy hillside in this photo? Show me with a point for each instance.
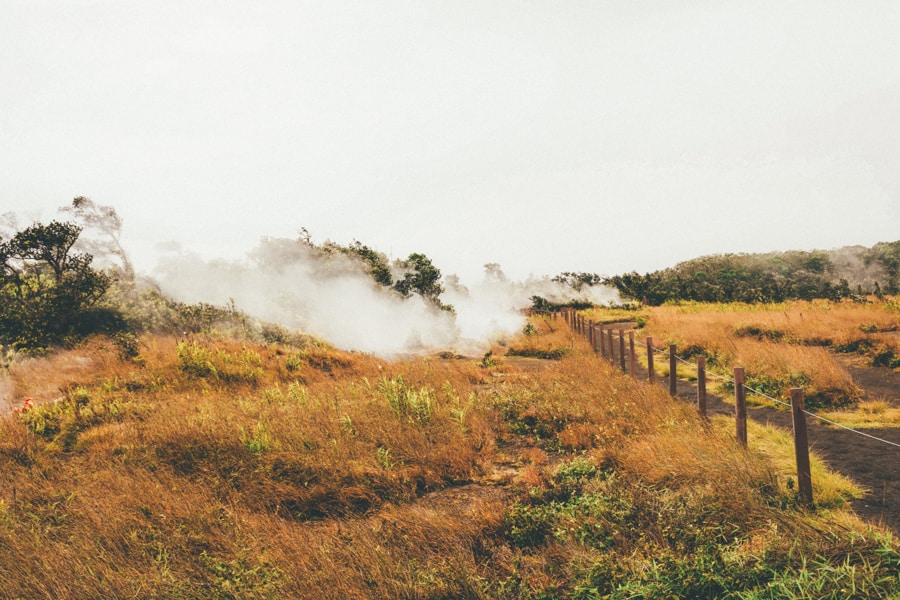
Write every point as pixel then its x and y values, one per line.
pixel 850 272
pixel 215 467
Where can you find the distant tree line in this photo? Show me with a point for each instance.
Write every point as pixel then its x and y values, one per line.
pixel 51 292
pixel 771 277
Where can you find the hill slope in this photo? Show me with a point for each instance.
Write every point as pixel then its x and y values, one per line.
pixel 212 468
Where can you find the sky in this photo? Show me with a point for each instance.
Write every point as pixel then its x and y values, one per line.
pixel 545 136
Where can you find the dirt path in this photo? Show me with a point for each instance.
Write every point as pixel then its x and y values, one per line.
pixel 872 464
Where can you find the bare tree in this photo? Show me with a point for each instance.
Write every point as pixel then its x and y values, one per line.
pixel 104 223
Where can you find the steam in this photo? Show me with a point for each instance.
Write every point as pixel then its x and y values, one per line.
pixel 331 296
pixel 848 263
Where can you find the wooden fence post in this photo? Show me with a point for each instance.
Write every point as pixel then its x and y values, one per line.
pixel 740 407
pixel 591 334
pixel 801 448
pixel 701 386
pixel 633 370
pixel 602 333
pixel 650 373
pixel 612 347
pixel 673 370
pixel 622 351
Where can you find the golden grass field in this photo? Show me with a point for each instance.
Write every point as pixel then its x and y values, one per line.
pixel 220 468
pixel 791 344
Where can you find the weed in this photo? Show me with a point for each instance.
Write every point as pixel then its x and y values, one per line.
pixel 384 459
pixel 546 354
pixel 196 360
pixel 295 362
pixel 886 357
pixel 242 576
pixel 181 478
pixel 528 525
pixel 258 441
pixel 409 403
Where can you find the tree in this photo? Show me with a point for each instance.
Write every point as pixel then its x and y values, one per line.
pixel 417 274
pixel 493 272
pixel 886 254
pixel 46 289
pixel 422 277
pixel 577 281
pixel 376 262
pixel 105 221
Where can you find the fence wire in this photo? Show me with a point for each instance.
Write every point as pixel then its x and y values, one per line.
pixel 783 403
pixel 613 334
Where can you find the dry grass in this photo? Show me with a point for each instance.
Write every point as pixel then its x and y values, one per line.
pixel 831 490
pixel 782 345
pixel 547 338
pixel 222 469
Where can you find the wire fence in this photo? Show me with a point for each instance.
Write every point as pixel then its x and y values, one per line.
pixel 603 340
pixel 783 403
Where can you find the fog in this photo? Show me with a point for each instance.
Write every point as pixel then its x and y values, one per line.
pixel 332 296
pixel 587 135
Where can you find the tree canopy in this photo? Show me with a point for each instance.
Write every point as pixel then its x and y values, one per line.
pixel 46 288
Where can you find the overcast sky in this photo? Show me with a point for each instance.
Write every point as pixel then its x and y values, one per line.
pixel 542 135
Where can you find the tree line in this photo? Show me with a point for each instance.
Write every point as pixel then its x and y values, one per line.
pixel 852 272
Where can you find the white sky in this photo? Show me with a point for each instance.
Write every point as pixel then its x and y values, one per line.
pixel 543 135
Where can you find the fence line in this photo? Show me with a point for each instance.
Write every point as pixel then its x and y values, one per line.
pixel 783 403
pixel 798 411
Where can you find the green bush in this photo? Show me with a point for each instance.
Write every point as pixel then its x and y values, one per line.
pixel 527 525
